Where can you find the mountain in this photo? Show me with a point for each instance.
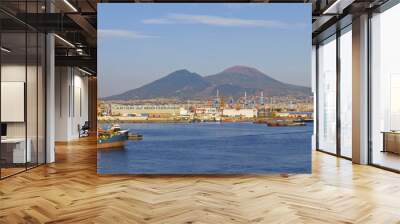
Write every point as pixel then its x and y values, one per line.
pixel 233 81
pixel 178 84
pixel 253 81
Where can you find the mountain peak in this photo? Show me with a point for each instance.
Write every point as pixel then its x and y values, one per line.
pixel 241 69
pixel 182 71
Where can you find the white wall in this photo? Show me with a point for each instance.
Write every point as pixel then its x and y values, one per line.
pixel 17 73
pixel 71 102
pixel 62 82
pixel 80 104
pixel 33 126
pixel 12 73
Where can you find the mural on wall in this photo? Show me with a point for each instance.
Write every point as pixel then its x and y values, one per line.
pixel 204 88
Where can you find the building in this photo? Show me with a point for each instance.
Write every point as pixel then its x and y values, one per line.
pixel 206 110
pixel 206 113
pixel 244 113
pixel 125 110
pixel 49 79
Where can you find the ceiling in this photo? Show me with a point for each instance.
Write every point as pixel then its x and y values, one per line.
pixel 75 21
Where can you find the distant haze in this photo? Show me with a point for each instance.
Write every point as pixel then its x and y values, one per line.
pixel 140 43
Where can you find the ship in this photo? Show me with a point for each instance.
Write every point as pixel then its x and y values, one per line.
pixel 135 136
pixel 112 138
pixel 284 123
pixel 280 122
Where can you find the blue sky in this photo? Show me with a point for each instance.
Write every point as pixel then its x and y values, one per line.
pixel 139 43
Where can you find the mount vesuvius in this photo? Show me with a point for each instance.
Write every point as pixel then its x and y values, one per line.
pixel 233 81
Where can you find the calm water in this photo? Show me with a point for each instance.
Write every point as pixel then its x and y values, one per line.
pixel 204 148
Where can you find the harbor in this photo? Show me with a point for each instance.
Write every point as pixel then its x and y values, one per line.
pixel 209 147
pixel 248 110
pixel 275 111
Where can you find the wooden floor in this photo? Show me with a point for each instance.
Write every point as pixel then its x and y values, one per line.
pixel 70 191
pixel 5 172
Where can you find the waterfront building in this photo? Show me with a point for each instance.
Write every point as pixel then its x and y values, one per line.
pixel 125 110
pixel 183 112
pixel 245 113
pixel 206 110
pixel 207 113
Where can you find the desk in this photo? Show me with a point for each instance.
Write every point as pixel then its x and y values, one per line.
pixel 13 150
pixel 391 141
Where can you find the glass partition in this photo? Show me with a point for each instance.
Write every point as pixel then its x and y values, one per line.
pixel 327 95
pixel 31 97
pixel 22 92
pixel 41 97
pixel 13 114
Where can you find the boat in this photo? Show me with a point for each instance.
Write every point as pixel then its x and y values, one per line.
pixel 135 136
pixel 303 120
pixel 284 123
pixel 297 124
pixel 112 138
pixel 260 121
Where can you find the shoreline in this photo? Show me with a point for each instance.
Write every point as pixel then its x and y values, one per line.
pixel 169 122
pixel 181 121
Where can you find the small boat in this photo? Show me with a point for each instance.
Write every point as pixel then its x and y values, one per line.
pixel 134 136
pixel 297 124
pixel 284 123
pixel 112 138
pixel 260 122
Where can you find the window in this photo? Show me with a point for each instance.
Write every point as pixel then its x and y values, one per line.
pixel 327 95
pixel 346 92
pixel 385 89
